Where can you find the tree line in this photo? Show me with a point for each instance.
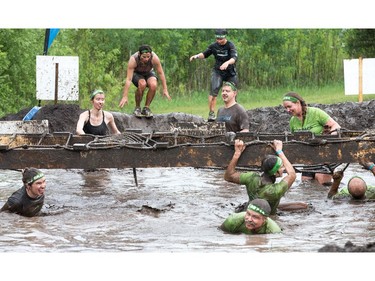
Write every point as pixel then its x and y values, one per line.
pixel 268 58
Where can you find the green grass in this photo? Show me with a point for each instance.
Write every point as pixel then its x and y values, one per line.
pixel 196 103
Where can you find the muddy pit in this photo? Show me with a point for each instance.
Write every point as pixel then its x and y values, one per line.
pixel 350 115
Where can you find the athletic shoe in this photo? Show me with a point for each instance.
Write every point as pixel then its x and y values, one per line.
pixel 146 112
pixel 137 112
pixel 211 116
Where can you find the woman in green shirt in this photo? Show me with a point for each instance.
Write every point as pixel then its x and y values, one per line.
pixel 308 118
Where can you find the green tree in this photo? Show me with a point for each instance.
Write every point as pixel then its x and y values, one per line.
pixel 360 43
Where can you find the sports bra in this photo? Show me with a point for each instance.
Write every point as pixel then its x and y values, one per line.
pixel 101 130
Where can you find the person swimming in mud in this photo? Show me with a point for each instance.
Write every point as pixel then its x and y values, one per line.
pixel 29 199
pixel 263 185
pixel 255 220
pixel 356 188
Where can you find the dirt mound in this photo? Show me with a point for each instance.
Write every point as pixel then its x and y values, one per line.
pixel 348 247
pixel 350 115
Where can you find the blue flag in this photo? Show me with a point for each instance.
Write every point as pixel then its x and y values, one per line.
pixel 51 34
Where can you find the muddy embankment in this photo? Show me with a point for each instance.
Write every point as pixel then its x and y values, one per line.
pixel 350 115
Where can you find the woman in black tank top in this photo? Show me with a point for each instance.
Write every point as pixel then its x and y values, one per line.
pixel 101 130
pixel 97 121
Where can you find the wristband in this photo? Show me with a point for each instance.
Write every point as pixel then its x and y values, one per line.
pixel 278 152
pixel 196 57
pixel 371 166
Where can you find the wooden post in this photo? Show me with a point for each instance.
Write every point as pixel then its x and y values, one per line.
pixel 56 82
pixel 360 82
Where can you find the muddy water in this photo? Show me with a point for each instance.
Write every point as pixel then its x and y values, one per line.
pixel 172 210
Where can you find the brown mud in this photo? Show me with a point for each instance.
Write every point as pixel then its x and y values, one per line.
pixel 63 118
pixel 350 115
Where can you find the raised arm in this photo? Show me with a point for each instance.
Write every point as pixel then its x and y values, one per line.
pixel 231 174
pixel 337 177
pixel 277 145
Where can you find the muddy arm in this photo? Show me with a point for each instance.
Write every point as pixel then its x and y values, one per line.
pixel 337 177
pixel 293 206
pixel 368 166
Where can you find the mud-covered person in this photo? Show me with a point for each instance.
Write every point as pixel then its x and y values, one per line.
pixel 96 121
pixel 232 113
pixel 226 56
pixel 254 221
pixel 29 199
pixel 356 188
pixel 263 184
pixel 313 119
pixel 141 73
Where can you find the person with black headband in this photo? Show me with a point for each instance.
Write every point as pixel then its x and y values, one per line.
pixel 232 113
pixel 254 221
pixel 29 199
pixel 226 56
pixel 263 185
pixel 96 121
pixel 141 73
pixel 312 119
pixel 356 188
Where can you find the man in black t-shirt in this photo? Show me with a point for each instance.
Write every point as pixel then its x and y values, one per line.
pixel 225 54
pixel 29 199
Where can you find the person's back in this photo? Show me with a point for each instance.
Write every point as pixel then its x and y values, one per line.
pixel 263 185
pixel 272 192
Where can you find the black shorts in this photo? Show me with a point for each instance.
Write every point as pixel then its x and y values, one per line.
pixel 138 76
pixel 217 81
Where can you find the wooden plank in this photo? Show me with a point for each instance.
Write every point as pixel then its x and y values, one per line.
pixel 201 155
pixel 24 127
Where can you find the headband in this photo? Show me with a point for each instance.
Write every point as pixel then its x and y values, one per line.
pixel 277 166
pixel 289 98
pixel 145 50
pixel 257 209
pixel 95 93
pixel 35 178
pixel 231 85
